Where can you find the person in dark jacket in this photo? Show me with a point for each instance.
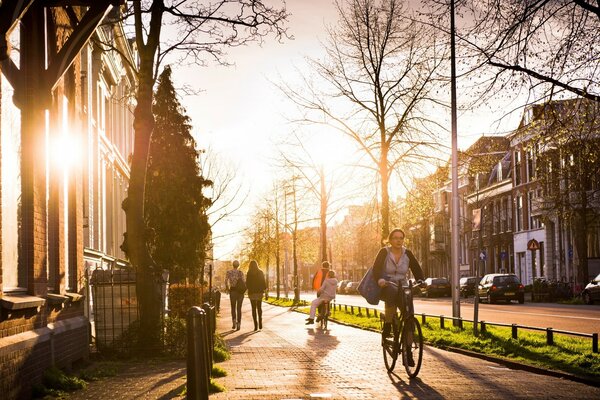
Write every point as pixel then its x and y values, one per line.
pixel 255 281
pixel 391 266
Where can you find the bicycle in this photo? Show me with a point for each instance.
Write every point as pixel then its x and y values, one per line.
pixel 406 336
pixel 323 316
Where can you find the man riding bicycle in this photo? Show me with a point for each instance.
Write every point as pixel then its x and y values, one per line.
pixel 391 266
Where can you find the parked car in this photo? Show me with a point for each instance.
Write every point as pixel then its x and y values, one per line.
pixel 436 287
pixel 467 285
pixel 591 293
pixel 341 287
pixel 351 288
pixel 494 287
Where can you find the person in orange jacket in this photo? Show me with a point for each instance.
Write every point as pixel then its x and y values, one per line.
pixel 320 276
pixel 318 280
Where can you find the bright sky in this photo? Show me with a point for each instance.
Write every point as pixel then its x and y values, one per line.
pixel 240 115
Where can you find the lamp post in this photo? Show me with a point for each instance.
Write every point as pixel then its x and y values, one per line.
pixel 455 204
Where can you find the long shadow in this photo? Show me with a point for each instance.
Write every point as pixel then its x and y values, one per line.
pixel 413 388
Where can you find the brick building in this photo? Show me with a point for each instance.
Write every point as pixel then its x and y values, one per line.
pixel 65 137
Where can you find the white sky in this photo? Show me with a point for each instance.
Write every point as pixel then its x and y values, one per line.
pixel 240 114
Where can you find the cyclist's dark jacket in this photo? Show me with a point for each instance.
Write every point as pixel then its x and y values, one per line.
pixel 379 265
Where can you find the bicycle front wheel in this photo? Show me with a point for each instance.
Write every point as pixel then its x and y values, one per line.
pixel 412 346
pixel 391 347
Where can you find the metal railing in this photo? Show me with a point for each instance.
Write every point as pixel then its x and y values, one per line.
pixel 483 324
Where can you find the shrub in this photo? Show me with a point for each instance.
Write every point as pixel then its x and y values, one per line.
pixel 183 297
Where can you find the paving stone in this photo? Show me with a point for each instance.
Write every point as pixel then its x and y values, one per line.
pixel 288 360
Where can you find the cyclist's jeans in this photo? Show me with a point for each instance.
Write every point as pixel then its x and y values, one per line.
pixel 390 296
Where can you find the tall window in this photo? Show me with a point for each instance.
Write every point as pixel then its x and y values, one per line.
pixel 519 214
pixel 10 141
pixel 530 165
pixel 503 211
pixel 517 167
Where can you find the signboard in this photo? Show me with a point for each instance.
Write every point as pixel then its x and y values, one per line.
pixel 533 245
pixel 503 255
pixel 482 256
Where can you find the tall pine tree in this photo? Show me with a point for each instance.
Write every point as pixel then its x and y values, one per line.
pixel 175 206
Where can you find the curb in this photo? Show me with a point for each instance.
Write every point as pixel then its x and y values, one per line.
pixel 511 364
pixel 525 367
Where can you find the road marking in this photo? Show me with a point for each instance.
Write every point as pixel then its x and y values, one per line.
pixel 542 314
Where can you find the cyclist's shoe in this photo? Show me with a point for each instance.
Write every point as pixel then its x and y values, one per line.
pixel 309 321
pixel 387 329
pixel 410 360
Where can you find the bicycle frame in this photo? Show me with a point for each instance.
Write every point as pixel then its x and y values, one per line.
pixel 407 336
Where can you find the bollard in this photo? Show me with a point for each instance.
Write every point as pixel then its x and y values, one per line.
pixel 210 333
pixel 482 327
pixel 514 331
pixel 441 322
pixel 460 323
pixel 367 311
pixel 549 336
pixel 595 342
pixel 423 319
pixel 197 363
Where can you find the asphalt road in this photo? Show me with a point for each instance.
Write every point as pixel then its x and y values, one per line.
pixel 574 318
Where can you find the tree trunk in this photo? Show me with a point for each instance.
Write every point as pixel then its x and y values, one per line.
pixel 148 279
pixel 385 195
pixel 323 218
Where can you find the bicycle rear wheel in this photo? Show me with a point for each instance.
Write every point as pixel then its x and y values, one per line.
pixel 412 346
pixel 391 347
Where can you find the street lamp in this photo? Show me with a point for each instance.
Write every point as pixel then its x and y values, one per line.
pixel 455 204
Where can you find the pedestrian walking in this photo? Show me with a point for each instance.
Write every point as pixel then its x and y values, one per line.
pixel 255 281
pixel 326 293
pixel 236 285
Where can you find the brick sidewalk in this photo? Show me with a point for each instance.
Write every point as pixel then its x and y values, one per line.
pixel 289 360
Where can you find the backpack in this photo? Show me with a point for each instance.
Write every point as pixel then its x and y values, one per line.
pixel 240 285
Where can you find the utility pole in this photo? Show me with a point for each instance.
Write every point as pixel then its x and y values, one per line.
pixel 455 205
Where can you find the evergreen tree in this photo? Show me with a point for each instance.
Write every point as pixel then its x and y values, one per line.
pixel 175 206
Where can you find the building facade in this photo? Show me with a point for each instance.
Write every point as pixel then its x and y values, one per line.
pixel 65 137
pixel 529 202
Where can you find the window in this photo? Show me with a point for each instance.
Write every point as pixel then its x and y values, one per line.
pixel 519 214
pixel 517 167
pixel 13 278
pixel 503 211
pixel 530 165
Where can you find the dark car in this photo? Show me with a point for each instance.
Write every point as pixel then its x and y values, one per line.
pixel 591 293
pixel 468 285
pixel 494 287
pixel 436 287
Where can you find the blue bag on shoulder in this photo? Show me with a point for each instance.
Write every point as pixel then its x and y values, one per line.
pixel 369 289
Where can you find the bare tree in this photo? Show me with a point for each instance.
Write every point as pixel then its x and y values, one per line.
pixel 197 30
pixel 317 182
pixel 545 46
pixel 379 69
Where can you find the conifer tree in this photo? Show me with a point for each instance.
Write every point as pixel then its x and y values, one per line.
pixel 175 206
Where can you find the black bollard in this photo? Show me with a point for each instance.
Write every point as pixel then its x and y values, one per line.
pixel 210 333
pixel 197 361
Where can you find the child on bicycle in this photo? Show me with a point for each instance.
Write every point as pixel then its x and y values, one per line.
pixel 391 266
pixel 325 293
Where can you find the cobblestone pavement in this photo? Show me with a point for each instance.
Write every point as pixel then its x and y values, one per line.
pixel 288 360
